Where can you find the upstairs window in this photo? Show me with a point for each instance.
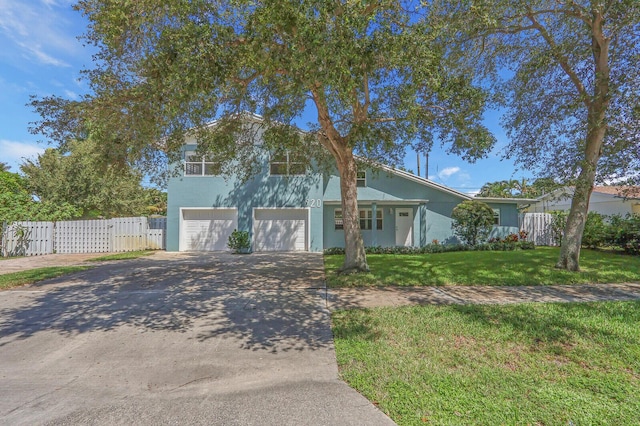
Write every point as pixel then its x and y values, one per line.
pixel 361 178
pixel 286 164
pixel 199 165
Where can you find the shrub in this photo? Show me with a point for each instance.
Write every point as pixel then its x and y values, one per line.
pixel 472 221
pixel 625 233
pixel 596 231
pixel 239 241
pixel 441 248
pixel 558 222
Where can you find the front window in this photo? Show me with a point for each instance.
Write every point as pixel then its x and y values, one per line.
pixel 496 217
pixel 199 165
pixel 283 164
pixel 337 219
pixel 365 216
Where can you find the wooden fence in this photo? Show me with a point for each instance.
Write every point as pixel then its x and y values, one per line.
pixel 83 236
pixel 538 228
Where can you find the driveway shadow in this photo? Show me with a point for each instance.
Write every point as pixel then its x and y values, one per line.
pixel 266 302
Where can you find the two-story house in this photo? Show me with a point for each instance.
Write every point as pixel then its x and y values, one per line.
pixel 289 207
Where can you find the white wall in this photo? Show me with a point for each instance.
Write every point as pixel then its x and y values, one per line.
pixel 604 204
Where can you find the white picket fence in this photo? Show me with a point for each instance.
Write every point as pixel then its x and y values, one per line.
pixel 538 228
pixel 84 236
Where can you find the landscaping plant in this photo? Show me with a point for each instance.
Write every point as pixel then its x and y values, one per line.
pixel 472 221
pixel 239 241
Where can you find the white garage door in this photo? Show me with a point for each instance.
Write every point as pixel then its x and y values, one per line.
pixel 207 229
pixel 280 230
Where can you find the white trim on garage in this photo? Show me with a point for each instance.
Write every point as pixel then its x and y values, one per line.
pixel 281 228
pixel 206 228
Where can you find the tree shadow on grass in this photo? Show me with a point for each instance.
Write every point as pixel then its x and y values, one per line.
pixel 266 302
pixel 555 324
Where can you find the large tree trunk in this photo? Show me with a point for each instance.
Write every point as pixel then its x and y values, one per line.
pixel 355 258
pixel 572 240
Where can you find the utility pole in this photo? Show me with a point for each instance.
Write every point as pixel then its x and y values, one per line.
pixel 418 161
pixel 426 167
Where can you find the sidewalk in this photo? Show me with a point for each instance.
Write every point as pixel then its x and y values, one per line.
pixel 371 297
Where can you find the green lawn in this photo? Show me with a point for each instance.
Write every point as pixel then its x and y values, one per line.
pixel 123 256
pixel 522 267
pixel 537 364
pixel 16 279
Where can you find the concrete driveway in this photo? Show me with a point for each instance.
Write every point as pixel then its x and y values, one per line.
pixel 176 339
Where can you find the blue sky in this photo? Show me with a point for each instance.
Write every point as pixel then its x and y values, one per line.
pixel 41 55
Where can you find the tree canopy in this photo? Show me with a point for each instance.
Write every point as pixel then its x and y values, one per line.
pixel 522 188
pixel 568 74
pixel 80 178
pixel 17 202
pixel 374 79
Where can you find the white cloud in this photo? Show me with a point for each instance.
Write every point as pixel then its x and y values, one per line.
pixel 447 172
pixel 71 94
pixel 13 152
pixel 40 33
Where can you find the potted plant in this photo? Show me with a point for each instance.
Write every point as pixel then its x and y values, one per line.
pixel 239 242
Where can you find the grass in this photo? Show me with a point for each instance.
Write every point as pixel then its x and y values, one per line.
pixel 123 255
pixel 522 267
pixel 538 364
pixel 16 279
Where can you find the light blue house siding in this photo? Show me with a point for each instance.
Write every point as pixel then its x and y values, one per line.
pixel 431 207
pixel 261 191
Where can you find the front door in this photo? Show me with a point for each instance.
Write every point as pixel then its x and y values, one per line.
pixel 404 227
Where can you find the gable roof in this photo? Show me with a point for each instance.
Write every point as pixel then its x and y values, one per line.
pixel 431 184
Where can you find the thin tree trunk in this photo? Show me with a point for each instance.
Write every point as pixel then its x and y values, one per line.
pixel 355 257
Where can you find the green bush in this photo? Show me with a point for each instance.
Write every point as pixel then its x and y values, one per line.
pixel 472 221
pixel 625 233
pixel 558 222
pixel 596 231
pixel 239 241
pixel 441 248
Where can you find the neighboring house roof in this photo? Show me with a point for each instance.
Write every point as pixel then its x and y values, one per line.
pixel 632 192
pixel 619 191
pixel 506 200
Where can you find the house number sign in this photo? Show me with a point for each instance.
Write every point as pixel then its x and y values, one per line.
pixel 314 202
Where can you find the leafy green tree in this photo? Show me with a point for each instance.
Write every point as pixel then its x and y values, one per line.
pixel 569 72
pixel 518 188
pixel 498 189
pixel 156 202
pixel 17 202
pixel 472 221
pixel 375 81
pixel 4 167
pixel 79 178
